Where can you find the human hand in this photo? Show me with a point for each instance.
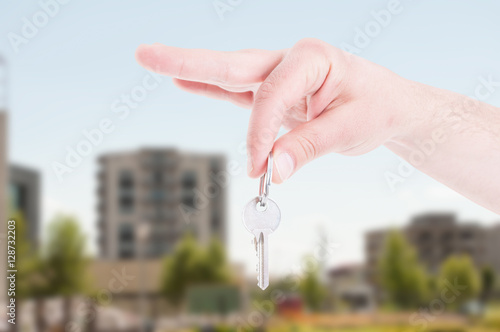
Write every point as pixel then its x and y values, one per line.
pixel 330 100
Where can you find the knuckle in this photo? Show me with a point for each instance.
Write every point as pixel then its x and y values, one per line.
pixel 308 146
pixel 267 90
pixel 313 45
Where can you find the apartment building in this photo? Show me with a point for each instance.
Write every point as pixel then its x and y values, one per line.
pixel 24 196
pixel 437 236
pixel 148 199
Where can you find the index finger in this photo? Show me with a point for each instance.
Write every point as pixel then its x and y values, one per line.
pixel 207 66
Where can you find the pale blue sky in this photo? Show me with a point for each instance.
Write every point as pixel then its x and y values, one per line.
pixel 65 79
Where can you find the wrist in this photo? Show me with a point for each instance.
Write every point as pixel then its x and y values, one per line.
pixel 422 115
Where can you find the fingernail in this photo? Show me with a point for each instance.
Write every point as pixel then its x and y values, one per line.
pixel 284 166
pixel 249 165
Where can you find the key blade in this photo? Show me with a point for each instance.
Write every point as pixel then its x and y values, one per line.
pixel 263 266
pixel 261 222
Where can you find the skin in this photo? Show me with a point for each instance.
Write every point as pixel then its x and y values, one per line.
pixel 333 101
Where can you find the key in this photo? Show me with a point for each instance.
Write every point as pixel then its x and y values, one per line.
pixel 261 219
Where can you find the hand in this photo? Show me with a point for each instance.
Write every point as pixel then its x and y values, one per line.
pixel 330 100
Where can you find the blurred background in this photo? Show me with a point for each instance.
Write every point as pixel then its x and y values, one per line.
pixel 127 193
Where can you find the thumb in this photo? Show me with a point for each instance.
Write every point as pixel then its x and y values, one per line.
pixel 302 145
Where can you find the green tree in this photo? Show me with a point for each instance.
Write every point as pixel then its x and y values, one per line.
pixel 460 272
pixel 191 264
pixel 64 258
pixel 488 279
pixel 64 262
pixel 312 290
pixel 27 261
pixel 401 275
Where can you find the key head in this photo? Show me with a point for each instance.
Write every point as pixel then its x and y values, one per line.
pixel 257 218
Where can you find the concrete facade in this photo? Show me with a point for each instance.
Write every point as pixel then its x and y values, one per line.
pixel 24 195
pixel 163 193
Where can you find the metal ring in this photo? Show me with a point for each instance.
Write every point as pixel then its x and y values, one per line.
pixel 265 180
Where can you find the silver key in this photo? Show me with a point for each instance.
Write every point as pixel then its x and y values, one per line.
pixel 261 217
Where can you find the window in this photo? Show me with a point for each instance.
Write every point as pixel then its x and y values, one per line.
pixel 18 196
pixel 126 204
pixel 126 180
pixel 126 192
pixel 126 241
pixel 188 198
pixel 189 179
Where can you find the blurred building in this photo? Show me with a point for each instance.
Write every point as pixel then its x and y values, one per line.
pixel 350 289
pixel 127 282
pixel 493 247
pixel 154 196
pixel 24 196
pixel 436 236
pixel 134 286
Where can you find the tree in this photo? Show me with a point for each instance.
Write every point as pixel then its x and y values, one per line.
pixel 459 272
pixel 401 275
pixel 64 257
pixel 27 261
pixel 312 290
pixel 65 262
pixel 488 280
pixel 191 264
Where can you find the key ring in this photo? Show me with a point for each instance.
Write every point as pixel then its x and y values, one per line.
pixel 265 181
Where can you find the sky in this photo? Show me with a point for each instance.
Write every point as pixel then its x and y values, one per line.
pixel 67 77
